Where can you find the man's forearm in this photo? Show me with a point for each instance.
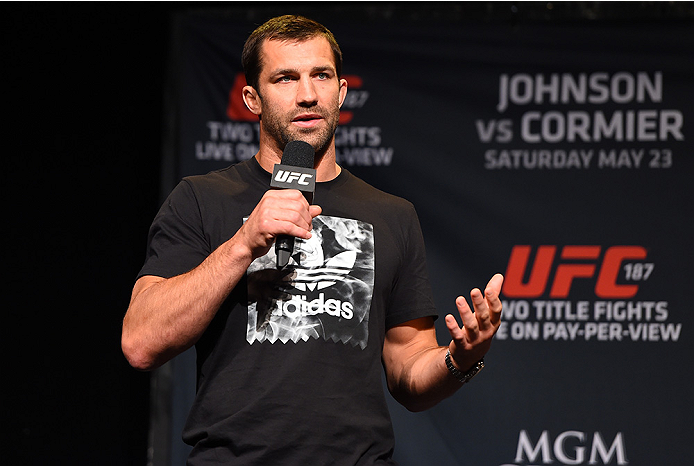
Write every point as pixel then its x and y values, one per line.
pixel 424 381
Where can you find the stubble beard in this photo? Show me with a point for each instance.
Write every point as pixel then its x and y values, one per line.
pixel 278 127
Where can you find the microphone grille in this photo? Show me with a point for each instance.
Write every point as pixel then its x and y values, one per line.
pixel 298 154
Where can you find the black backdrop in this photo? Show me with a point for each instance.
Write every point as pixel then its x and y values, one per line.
pixel 82 93
pixel 83 103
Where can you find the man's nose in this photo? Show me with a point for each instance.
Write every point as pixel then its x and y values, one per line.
pixel 307 95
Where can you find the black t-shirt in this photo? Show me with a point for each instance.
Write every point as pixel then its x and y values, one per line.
pixel 289 370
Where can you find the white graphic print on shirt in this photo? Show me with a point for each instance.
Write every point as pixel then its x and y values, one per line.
pixel 324 292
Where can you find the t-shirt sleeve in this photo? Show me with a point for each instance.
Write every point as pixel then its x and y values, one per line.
pixel 411 297
pixel 176 241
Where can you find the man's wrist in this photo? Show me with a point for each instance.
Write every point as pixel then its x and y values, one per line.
pixel 462 377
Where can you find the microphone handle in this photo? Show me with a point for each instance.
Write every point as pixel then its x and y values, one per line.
pixel 284 244
pixel 284 248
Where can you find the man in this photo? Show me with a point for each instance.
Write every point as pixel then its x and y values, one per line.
pixel 289 360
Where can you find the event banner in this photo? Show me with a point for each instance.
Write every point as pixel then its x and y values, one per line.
pixel 560 155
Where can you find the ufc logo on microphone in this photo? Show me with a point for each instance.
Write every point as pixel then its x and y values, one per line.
pixel 290 177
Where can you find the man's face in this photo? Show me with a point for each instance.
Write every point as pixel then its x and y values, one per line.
pixel 300 92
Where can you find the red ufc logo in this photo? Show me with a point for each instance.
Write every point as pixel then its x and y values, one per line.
pixel 575 262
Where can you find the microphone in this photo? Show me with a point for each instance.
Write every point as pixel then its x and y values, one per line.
pixel 294 172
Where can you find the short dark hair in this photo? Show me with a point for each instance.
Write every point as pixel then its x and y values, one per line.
pixel 284 28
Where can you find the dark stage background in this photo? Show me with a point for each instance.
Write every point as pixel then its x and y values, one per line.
pixel 84 134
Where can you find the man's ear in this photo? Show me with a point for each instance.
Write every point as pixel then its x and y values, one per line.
pixel 343 91
pixel 252 99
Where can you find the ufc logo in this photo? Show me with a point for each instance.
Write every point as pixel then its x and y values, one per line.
pixel 575 262
pixel 292 177
pixel 284 176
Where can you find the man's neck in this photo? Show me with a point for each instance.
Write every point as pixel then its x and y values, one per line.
pixel 326 167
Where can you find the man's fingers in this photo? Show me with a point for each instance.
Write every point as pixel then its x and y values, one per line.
pixel 470 325
pixel 315 210
pixel 286 212
pixel 456 332
pixel 481 308
pixel 487 309
pixel 491 293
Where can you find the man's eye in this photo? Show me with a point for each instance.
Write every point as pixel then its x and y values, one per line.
pixel 323 76
pixel 284 79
